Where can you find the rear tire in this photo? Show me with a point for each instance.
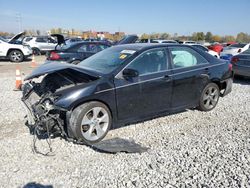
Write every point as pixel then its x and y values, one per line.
pixel 90 122
pixel 16 56
pixel 36 51
pixel 209 97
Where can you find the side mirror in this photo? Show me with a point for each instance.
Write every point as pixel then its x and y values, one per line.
pixel 130 73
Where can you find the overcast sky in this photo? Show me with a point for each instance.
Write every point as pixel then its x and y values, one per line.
pixel 224 17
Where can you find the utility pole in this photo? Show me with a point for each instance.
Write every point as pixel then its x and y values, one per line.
pixel 19 21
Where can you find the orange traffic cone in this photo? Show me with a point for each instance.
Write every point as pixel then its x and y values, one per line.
pixel 33 63
pixel 18 80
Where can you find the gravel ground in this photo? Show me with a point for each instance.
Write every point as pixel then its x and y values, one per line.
pixel 189 149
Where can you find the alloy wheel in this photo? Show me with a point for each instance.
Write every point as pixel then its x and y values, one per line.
pixel 210 97
pixel 16 56
pixel 95 123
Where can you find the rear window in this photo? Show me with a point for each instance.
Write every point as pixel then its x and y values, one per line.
pixel 238 45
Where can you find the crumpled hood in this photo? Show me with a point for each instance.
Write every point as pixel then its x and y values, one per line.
pixel 52 66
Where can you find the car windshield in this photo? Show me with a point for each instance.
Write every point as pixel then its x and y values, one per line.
pixel 237 45
pixel 107 60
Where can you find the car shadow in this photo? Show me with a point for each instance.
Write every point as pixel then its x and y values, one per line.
pixel 241 80
pixel 108 146
pixel 36 185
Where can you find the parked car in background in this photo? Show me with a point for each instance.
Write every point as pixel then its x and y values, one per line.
pixel 123 84
pixel 228 44
pixel 165 41
pixel 76 52
pixel 235 49
pixel 241 63
pixel 187 42
pixel 41 44
pixel 216 47
pixel 146 41
pixel 13 49
pixel 72 40
pixel 156 41
pixel 205 49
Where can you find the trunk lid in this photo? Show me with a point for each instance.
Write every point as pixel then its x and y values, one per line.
pixel 14 39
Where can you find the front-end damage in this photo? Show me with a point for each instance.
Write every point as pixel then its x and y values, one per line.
pixel 44 118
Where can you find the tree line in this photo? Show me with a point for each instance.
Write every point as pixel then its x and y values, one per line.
pixel 196 36
pixel 200 36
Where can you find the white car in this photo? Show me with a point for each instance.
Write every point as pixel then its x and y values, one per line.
pixel 41 44
pixel 188 42
pixel 156 41
pixel 13 49
pixel 203 48
pixel 235 49
pixel 165 41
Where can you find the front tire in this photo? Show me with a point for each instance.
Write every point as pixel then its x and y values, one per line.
pixel 209 97
pixel 90 122
pixel 16 56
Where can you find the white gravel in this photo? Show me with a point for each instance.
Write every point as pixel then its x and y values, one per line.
pixel 189 149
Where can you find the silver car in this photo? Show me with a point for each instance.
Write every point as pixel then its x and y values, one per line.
pixel 40 44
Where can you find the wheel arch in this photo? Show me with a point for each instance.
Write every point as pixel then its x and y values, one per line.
pixel 221 85
pixel 94 100
pixel 11 49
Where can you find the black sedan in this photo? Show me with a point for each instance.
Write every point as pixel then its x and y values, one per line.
pixel 76 52
pixel 241 64
pixel 121 85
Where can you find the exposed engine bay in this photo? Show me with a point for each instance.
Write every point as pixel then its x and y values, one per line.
pixel 44 118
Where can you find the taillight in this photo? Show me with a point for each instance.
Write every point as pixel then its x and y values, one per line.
pixel 234 59
pixel 239 50
pixel 54 56
pixel 230 67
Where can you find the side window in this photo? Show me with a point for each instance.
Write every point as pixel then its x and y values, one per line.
pixel 82 48
pixel 92 48
pixel 101 47
pixel 185 57
pixel 151 61
pixel 40 39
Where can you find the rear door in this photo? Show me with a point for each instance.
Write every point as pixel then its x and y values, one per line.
pixel 190 75
pixel 148 93
pixel 41 43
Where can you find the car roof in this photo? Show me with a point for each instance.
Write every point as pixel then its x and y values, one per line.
pixel 145 46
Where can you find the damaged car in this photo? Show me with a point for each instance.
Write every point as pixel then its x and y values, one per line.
pixel 121 85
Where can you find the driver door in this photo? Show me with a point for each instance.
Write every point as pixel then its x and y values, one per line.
pixel 149 92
